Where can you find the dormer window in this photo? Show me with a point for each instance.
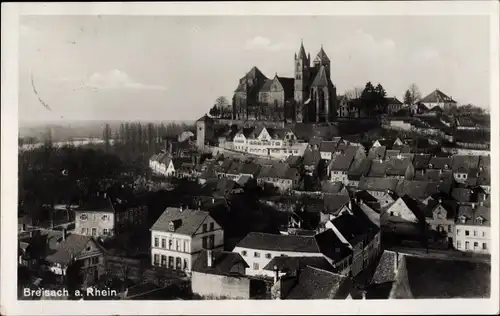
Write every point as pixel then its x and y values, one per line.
pixel 430 166
pixel 463 219
pixel 480 220
pixel 83 217
pixel 105 218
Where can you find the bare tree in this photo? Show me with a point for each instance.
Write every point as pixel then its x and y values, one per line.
pixel 223 105
pixel 414 93
pixel 354 93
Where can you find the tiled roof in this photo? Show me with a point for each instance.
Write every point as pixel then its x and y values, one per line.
pixel 393 100
pixel 464 162
pixel 392 153
pixel 322 57
pixel 386 268
pixel 292 264
pixel 341 162
pixel 378 184
pixel 188 220
pixel 311 157
pixel 96 204
pixel 355 228
pixel 322 79
pixel 421 161
pixel 387 143
pixel 291 243
pixel 293 161
pixel 474 214
pixel 449 205
pixel 334 202
pixel 440 162
pixel 415 189
pixel 377 152
pixel 484 177
pixel 249 168
pixel 397 166
pixel 331 246
pixel 331 187
pixel 377 169
pixel 205 118
pixel 462 194
pixel 69 249
pixel 328 146
pixel 484 161
pixel 437 96
pixel 222 264
pixel 316 284
pixel 359 169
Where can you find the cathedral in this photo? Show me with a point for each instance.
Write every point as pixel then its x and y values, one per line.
pixel 309 97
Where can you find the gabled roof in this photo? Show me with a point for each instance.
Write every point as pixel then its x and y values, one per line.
pixel 440 162
pixel 462 194
pixel 421 161
pixel 354 228
pixel 449 205
pixel 334 202
pixel 96 204
pixel 465 162
pixel 474 215
pixel 437 96
pixel 328 146
pixel 249 168
pixel 377 152
pixel 293 161
pixel 397 166
pixel 331 246
pixel 205 118
pixel 393 100
pixel 341 162
pixel 331 187
pixel 386 268
pixel 322 79
pixel 222 264
pixel 321 57
pixel 378 184
pixel 188 220
pixel 286 243
pixel 69 249
pixel 415 189
pixel 311 157
pixel 315 283
pixel 359 169
pixel 377 168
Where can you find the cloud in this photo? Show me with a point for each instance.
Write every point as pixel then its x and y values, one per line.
pixel 117 79
pixel 264 43
pixel 367 44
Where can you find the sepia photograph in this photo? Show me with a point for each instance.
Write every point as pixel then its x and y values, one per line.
pixel 262 158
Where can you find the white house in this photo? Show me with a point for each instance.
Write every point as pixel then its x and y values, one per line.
pixel 179 235
pixel 258 249
pixel 438 98
pixel 279 143
pixel 162 164
pixel 473 228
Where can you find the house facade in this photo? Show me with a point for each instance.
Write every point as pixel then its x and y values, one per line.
pixel 473 229
pixel 179 235
pixel 162 164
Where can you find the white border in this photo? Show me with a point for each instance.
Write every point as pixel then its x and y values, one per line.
pixel 10 25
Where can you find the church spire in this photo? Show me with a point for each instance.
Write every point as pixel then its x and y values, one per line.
pixel 302 51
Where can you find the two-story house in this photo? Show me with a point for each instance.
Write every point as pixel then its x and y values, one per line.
pixel 339 167
pixel 326 149
pixel 377 187
pixel 103 216
pixel 280 175
pixel 162 164
pixel 405 217
pixel 258 249
pixel 241 138
pixel 473 228
pixel 83 253
pixel 179 235
pixel 400 167
pixel 440 218
pixel 358 170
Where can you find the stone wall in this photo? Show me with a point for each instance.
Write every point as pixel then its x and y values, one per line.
pixel 220 286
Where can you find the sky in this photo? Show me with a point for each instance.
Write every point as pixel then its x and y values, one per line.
pixel 174 67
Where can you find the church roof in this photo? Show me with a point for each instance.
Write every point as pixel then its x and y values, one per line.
pixel 205 118
pixel 322 79
pixel 321 57
pixel 437 96
pixel 302 51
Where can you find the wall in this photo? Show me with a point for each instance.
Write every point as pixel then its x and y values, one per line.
pixel 262 261
pixel 461 238
pixel 220 286
pixel 94 220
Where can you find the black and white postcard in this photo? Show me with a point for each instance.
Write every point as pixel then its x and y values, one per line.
pixel 229 158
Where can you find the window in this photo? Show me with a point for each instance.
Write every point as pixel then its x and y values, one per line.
pixel 484 246
pixel 204 242
pixel 170 244
pixel 244 253
pixel 211 226
pixel 178 263
pixel 449 228
pixel 163 243
pixel 83 217
pixel 476 244
pixel 268 256
pixel 163 260
pixel 211 241
pixel 186 246
pixel 185 266
pixel 475 233
pixel 484 234
pixel 170 262
pixel 105 232
pixel 466 245
pixel 94 231
pixel 105 218
pixel 156 259
pixel 94 260
pixel 458 231
pixel 466 233
pixel 156 242
pixel 83 231
pixel 177 245
pixel 459 244
pixel 256 254
pixel 255 266
pixel 204 228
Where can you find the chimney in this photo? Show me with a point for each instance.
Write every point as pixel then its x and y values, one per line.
pixel 210 258
pixel 64 232
pixel 363 295
pixel 213 200
pixel 473 205
pixel 180 209
pixel 276 273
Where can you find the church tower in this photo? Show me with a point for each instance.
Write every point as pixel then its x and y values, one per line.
pixel 322 60
pixel 302 73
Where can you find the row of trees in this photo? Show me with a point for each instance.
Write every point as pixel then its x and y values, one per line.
pixel 370 99
pixel 221 109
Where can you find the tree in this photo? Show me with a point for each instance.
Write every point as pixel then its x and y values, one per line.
pixel 222 104
pixel 408 100
pixel 380 97
pixel 368 99
pixel 354 93
pixel 415 93
pixel 106 136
